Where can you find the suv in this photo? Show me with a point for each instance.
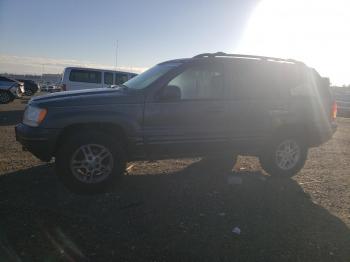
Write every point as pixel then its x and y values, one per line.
pixel 10 89
pixel 212 105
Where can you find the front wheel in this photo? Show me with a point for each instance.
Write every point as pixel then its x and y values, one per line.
pixel 90 163
pixel 284 157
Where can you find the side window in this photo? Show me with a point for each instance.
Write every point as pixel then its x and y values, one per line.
pixel 120 78
pixel 108 78
pixel 85 76
pixel 200 83
pixel 258 80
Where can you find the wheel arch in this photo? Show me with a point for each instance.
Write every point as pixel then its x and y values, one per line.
pixel 107 128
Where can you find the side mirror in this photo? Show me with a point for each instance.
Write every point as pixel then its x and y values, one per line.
pixel 171 93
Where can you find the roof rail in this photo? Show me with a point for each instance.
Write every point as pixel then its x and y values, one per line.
pixel 222 54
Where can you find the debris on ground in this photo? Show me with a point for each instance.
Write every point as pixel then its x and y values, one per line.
pixel 236 230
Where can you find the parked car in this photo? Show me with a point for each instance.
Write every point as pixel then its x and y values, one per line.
pixel 51 88
pixel 30 87
pixel 76 78
pixel 55 88
pixel 10 89
pixel 212 105
pixel 343 102
pixel 44 87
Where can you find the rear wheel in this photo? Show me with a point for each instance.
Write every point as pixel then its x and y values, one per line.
pixel 5 97
pixel 284 157
pixel 90 163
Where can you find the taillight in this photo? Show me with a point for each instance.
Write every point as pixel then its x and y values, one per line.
pixel 334 111
pixel 63 87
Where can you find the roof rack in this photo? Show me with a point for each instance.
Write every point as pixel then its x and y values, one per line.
pixel 222 54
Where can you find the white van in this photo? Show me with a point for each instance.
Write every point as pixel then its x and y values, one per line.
pixel 75 78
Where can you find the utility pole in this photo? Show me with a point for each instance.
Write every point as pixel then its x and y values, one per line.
pixel 42 73
pixel 116 56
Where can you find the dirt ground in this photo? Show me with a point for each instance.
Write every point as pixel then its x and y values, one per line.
pixel 176 210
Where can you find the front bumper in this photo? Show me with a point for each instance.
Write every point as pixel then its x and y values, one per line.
pixel 40 142
pixel 14 91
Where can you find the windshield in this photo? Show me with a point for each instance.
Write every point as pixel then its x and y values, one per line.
pixel 146 78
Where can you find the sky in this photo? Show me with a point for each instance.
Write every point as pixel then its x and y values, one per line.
pixel 48 35
pixel 148 32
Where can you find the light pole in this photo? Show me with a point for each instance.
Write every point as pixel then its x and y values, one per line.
pixel 42 73
pixel 116 56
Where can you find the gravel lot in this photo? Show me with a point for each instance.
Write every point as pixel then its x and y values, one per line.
pixel 176 210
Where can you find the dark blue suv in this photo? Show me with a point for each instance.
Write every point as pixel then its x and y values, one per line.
pixel 212 105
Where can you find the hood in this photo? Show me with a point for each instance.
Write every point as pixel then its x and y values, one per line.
pixel 86 97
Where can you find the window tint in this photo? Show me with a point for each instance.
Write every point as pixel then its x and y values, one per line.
pixel 108 78
pixel 86 76
pixel 256 79
pixel 120 78
pixel 200 83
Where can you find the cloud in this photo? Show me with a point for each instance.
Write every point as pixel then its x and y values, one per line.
pixel 35 65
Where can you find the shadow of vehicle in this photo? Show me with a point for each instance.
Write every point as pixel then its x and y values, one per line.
pixel 8 118
pixel 187 215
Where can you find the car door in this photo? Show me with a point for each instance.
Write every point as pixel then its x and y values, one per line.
pixel 256 97
pixel 193 124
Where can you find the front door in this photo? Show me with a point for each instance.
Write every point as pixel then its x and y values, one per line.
pixel 194 124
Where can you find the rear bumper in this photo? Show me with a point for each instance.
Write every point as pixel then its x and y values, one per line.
pixel 40 142
pixel 318 136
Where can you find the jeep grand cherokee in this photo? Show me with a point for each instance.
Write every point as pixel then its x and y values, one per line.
pixel 212 105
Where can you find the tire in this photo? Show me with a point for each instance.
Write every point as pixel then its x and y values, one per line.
pixel 88 175
pixel 5 97
pixel 226 162
pixel 278 161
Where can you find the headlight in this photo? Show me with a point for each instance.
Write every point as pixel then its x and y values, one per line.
pixel 33 116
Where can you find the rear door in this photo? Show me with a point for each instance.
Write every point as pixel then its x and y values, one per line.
pixel 196 123
pixel 84 79
pixel 259 98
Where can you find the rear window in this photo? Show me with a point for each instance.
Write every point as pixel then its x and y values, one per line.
pixel 85 76
pixel 255 79
pixel 108 78
pixel 120 78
